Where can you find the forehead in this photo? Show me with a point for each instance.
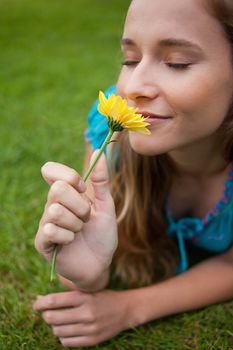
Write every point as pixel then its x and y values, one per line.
pixel 189 19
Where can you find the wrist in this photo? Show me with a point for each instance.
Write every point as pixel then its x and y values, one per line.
pixel 94 285
pixel 136 307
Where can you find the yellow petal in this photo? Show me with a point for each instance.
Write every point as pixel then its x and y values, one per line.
pixel 144 131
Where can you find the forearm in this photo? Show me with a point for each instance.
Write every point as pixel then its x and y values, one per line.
pixel 207 283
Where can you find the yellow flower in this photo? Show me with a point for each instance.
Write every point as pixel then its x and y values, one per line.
pixel 120 115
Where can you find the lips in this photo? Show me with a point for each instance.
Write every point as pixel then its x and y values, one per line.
pixel 153 116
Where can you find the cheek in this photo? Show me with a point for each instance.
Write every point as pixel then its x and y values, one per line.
pixel 188 98
pixel 203 98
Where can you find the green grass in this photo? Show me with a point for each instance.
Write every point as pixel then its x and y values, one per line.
pixel 54 57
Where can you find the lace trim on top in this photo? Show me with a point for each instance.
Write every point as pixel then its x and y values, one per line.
pixel 222 203
pixel 220 206
pixel 191 227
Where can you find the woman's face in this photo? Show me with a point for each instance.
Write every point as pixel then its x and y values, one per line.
pixel 177 70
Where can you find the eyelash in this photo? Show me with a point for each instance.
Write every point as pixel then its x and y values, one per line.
pixel 129 63
pixel 178 66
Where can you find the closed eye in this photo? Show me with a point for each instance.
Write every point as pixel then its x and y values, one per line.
pixel 129 63
pixel 178 66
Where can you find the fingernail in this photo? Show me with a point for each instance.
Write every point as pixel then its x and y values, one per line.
pixel 82 185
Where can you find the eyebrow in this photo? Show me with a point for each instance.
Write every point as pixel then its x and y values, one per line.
pixel 169 42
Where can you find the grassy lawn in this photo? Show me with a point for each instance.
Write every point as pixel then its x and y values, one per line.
pixel 54 57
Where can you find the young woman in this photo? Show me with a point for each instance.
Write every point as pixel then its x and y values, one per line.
pixel 166 215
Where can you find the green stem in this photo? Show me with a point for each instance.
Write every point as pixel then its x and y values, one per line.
pixel 53 265
pixel 105 143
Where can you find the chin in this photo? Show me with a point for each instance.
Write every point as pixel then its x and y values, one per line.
pixel 145 145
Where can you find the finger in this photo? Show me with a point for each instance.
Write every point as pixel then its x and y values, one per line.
pixel 65 316
pixel 53 172
pixel 58 300
pixel 50 234
pixel 59 215
pixel 63 193
pixel 74 330
pixel 99 178
pixel 79 341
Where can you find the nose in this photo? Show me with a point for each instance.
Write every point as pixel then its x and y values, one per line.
pixel 142 83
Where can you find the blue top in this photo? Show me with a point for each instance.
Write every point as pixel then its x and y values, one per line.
pixel 213 233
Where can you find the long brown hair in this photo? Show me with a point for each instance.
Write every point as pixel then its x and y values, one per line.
pixel 140 185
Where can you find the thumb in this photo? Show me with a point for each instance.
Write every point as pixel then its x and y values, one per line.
pixel 99 177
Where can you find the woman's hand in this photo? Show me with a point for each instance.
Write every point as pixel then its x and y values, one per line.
pixel 85 228
pixel 84 319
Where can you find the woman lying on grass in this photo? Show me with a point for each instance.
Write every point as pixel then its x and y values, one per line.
pixel 165 217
